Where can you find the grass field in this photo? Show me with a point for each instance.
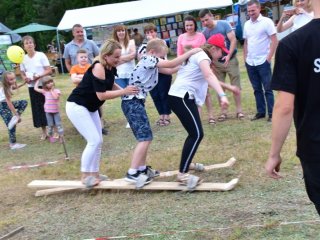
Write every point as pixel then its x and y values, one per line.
pixel 258 208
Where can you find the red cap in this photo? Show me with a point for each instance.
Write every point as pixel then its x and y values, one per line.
pixel 218 41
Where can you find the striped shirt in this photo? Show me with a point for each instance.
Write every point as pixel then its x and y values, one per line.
pixel 51 104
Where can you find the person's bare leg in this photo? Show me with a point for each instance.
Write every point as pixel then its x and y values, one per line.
pixel 237 100
pixel 140 154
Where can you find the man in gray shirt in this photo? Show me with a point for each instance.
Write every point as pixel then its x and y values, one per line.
pixel 71 49
pixel 228 64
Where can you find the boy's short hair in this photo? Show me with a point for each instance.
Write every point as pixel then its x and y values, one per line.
pixel 82 50
pixel 149 27
pixel 157 45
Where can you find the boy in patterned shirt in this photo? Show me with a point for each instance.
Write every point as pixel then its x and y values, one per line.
pixel 145 77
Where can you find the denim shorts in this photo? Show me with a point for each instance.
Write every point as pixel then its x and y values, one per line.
pixel 136 114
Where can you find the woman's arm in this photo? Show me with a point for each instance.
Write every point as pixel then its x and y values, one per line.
pixel 98 72
pixel 179 45
pixel 178 60
pixel 110 94
pixel 281 27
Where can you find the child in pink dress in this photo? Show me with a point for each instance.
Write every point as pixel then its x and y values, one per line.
pixel 51 106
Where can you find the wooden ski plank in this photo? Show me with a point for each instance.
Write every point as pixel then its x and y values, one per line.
pixel 51 191
pixel 121 184
pixel 229 163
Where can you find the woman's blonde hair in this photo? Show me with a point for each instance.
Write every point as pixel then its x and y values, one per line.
pixel 126 36
pixel 308 5
pixel 6 86
pixel 108 49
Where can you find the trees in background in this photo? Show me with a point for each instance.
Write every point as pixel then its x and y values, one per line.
pixel 18 13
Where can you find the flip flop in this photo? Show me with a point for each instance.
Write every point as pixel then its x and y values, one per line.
pixel 212 121
pixel 240 115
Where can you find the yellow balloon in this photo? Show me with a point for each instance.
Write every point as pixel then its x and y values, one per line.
pixel 15 54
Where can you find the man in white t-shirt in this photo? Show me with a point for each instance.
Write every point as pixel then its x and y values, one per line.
pixel 259 47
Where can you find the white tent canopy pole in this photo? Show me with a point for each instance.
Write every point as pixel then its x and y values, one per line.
pixel 133 11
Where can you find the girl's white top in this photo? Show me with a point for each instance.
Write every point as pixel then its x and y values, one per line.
pixel 190 79
pixel 124 70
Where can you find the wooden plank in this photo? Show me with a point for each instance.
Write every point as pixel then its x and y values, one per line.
pixel 229 163
pixel 121 184
pixel 55 190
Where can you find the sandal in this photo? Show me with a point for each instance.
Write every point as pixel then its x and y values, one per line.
pixel 212 121
pixel 43 137
pixel 159 122
pixel 240 115
pixel 191 181
pixel 222 117
pixel 166 122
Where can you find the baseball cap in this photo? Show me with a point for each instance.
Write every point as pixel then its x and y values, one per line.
pixel 218 41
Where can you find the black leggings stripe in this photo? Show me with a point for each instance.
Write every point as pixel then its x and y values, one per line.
pixel 188 114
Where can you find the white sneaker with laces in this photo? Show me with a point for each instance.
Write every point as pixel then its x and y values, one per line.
pixel 14 120
pixel 15 146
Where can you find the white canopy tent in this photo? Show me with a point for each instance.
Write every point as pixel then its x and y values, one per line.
pixel 133 11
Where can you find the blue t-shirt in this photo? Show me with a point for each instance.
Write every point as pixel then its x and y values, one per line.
pixel 222 27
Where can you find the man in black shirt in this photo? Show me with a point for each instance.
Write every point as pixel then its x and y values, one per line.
pixel 297 78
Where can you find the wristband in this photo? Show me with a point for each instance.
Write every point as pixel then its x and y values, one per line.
pixel 222 95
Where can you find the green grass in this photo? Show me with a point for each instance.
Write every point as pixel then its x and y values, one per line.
pixel 255 209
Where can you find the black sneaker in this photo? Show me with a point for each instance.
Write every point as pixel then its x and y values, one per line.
pixel 134 178
pixel 258 116
pixel 151 173
pixel 269 119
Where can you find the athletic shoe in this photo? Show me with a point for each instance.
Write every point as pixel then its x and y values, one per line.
pixel 14 120
pixel 151 173
pixel 134 178
pixel 15 146
pixel 189 180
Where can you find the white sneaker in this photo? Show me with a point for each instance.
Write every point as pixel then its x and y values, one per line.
pixel 15 146
pixel 14 120
pixel 128 125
